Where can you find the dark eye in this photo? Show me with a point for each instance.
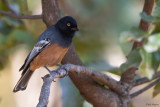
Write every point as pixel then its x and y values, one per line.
pixel 68 24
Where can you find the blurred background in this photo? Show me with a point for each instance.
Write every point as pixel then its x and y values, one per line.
pixel 101 23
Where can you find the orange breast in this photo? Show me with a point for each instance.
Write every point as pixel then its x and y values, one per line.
pixel 49 57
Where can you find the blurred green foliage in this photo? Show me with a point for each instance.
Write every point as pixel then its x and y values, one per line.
pixel 149 60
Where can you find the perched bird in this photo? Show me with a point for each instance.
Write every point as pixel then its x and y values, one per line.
pixel 49 50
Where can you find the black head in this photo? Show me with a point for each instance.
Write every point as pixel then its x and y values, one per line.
pixel 67 25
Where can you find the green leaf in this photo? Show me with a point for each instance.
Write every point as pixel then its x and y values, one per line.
pixel 135 34
pixel 156 11
pixel 153 43
pixel 156 60
pixel 155 18
pixel 150 18
pixel 146 64
pixel 133 60
pixel 156 90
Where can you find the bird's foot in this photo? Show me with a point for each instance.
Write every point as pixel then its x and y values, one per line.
pixel 47 69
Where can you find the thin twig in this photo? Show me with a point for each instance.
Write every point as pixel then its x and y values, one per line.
pixel 144 89
pixel 15 16
pixel 145 79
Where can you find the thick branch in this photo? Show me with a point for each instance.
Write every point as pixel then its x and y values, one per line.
pixel 144 89
pixel 16 16
pixel 61 72
pixel 98 76
pixel 50 12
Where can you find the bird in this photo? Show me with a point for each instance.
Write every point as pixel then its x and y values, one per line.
pixel 49 50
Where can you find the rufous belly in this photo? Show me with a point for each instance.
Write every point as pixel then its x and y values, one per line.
pixel 50 56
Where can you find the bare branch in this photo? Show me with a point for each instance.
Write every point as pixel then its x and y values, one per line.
pixel 127 79
pixel 144 89
pixel 63 71
pixel 45 90
pixel 15 16
pixel 145 79
pixel 98 76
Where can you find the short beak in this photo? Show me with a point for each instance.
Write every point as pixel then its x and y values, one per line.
pixel 75 29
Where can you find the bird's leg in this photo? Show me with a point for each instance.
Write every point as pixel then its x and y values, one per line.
pixel 48 71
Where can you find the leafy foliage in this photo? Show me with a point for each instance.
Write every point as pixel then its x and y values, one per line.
pixel 133 35
pixel 149 53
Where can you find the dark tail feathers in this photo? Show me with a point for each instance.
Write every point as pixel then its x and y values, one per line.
pixel 23 81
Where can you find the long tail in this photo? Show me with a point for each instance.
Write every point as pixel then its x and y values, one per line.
pixel 23 81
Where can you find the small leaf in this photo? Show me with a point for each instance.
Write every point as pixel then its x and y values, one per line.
pixel 135 34
pixel 146 64
pixel 156 11
pixel 153 43
pixel 156 60
pixel 133 60
pixel 150 18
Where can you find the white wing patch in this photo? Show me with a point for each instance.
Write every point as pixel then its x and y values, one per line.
pixel 37 49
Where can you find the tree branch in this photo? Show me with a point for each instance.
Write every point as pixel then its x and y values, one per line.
pixel 144 25
pixel 144 89
pixel 98 76
pixel 63 71
pixel 128 75
pixel 16 16
pixel 50 12
pixel 145 79
pixel 45 90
